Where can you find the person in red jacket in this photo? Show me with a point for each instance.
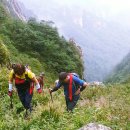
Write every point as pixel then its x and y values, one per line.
pixel 41 80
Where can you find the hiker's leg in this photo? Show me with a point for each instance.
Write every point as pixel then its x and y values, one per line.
pixel 28 99
pixel 67 101
pixel 27 105
pixel 21 95
pixel 71 104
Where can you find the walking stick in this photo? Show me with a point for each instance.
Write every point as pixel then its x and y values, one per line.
pixel 51 95
pixel 11 102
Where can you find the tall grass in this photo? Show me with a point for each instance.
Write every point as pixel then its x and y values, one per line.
pixel 108 105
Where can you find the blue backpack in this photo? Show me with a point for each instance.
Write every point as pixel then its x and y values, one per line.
pixel 75 74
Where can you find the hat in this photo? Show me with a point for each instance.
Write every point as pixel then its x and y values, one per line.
pixel 62 76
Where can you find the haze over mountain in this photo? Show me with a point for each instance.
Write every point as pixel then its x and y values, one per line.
pixel 101 29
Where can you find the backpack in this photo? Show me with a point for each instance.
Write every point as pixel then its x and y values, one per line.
pixel 75 74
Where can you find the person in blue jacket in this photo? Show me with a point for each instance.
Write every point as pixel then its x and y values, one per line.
pixel 73 85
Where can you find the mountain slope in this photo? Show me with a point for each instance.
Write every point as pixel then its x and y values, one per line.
pixel 40 41
pixel 121 73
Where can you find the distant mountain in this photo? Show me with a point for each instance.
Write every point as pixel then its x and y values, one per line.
pixel 121 73
pixel 17 9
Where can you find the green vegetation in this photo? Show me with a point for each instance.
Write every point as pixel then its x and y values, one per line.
pixel 108 106
pixel 4 54
pixel 43 43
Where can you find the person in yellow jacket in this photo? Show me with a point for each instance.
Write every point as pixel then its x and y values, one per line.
pixel 24 81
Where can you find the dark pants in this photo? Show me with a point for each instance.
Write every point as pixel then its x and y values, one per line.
pixel 25 97
pixel 71 104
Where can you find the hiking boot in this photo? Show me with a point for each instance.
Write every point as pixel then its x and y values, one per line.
pixel 27 114
pixel 30 109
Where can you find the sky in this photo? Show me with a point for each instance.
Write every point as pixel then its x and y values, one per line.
pixel 114 6
pixel 117 10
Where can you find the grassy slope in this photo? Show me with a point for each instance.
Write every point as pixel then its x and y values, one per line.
pixel 109 106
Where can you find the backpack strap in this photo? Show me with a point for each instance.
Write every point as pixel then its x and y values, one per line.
pixel 31 84
pixel 13 75
pixel 76 86
pixel 27 78
pixel 70 87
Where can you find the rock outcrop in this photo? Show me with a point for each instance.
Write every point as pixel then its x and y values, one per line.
pixel 95 126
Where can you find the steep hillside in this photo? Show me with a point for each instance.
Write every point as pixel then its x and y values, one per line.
pixel 40 42
pixel 121 73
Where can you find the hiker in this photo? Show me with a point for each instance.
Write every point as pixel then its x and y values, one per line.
pixel 24 82
pixel 41 80
pixel 73 85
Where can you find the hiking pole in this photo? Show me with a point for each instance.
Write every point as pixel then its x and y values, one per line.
pixel 11 102
pixel 51 95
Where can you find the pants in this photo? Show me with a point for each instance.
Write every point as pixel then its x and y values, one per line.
pixel 25 97
pixel 71 104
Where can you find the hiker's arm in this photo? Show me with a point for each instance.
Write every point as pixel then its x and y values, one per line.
pixel 81 83
pixel 10 85
pixel 36 82
pixel 10 89
pixel 85 84
pixel 56 87
pixel 81 88
pixel 34 79
pixel 11 81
